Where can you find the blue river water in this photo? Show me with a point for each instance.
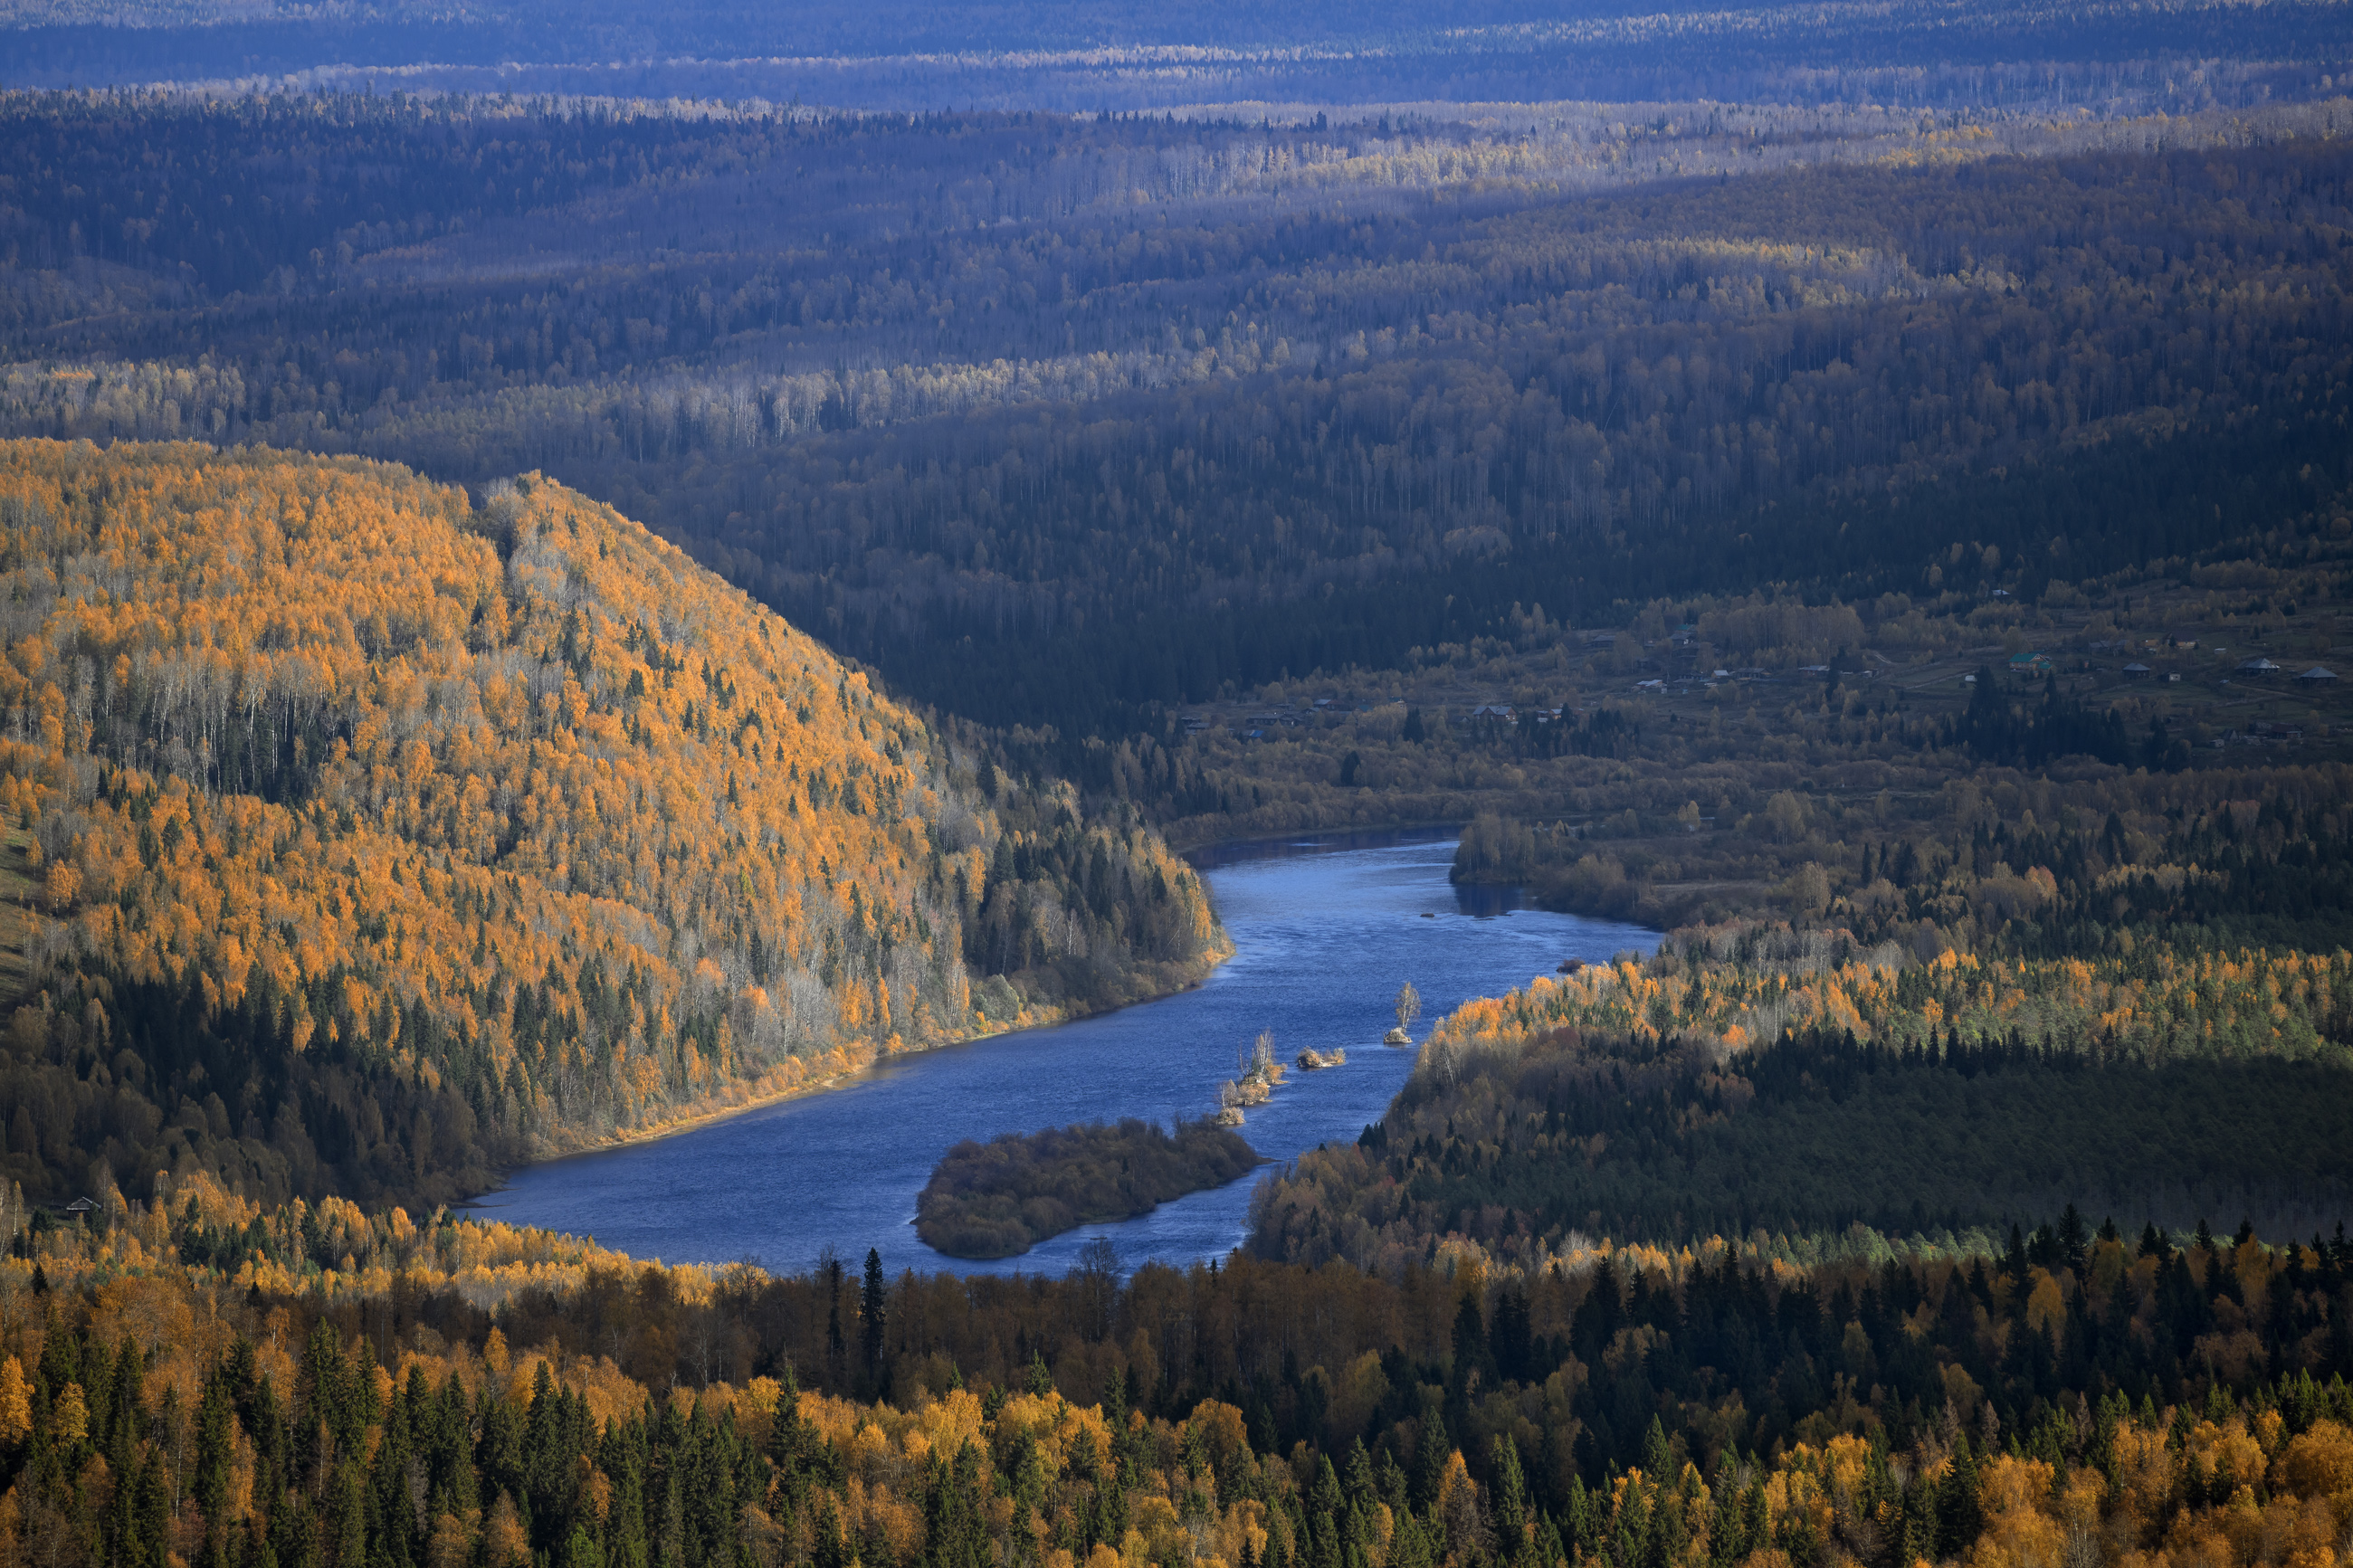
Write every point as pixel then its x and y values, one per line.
pixel 1324 932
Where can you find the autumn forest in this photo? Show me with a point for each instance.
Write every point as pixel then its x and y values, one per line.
pixel 569 575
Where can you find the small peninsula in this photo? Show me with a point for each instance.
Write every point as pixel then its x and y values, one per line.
pixel 1000 1198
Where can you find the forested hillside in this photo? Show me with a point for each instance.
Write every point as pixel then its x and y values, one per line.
pixel 2133 993
pixel 1860 489
pixel 1580 1133
pixel 300 1386
pixel 1060 421
pixel 1791 379
pixel 376 840
pixel 1084 55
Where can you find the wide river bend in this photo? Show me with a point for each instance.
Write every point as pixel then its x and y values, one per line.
pixel 1324 932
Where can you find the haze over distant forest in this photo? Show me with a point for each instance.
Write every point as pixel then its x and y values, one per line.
pixel 1090 57
pixel 566 569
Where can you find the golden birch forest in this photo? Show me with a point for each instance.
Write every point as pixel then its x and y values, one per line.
pixel 370 841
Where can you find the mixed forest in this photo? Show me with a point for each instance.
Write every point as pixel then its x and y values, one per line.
pixel 2012 1001
pixel 1098 55
pixel 1065 421
pixel 558 578
pixel 377 841
pixel 197 1378
pixel 1000 1198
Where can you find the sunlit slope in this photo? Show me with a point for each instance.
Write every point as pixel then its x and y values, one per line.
pixel 384 840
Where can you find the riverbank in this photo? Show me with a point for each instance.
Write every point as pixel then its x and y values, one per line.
pixel 799 1078
pixel 1324 939
pixel 1210 854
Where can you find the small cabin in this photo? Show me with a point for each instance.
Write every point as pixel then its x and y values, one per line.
pixel 2137 672
pixel 2317 676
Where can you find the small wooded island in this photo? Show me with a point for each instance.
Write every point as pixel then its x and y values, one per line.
pixel 1001 1198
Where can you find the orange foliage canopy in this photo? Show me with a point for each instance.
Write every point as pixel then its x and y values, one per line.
pixel 517 800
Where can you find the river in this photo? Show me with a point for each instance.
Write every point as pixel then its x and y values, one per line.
pixel 1324 930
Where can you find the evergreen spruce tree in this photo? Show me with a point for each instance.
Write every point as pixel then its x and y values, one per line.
pixel 1579 1517
pixel 1657 1457
pixel 873 1309
pixel 1429 1462
pixel 1508 1499
pixel 1960 1517
pixel 2075 1245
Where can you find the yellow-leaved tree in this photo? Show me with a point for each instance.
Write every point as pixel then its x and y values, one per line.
pixel 373 839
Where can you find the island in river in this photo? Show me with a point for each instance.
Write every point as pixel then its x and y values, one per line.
pixel 1325 931
pixel 1000 1198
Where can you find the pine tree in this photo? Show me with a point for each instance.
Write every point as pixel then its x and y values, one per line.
pixel 581 1551
pixel 1324 1508
pixel 1470 1340
pixel 2075 1245
pixel 955 1514
pixel 1509 1501
pixel 150 1515
pixel 1429 1462
pixel 874 1303
pixel 836 1348
pixel 1657 1457
pixel 1960 1515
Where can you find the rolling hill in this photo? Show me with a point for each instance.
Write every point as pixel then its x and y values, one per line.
pixel 367 839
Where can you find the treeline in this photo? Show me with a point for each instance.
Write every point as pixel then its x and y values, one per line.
pixel 2125 989
pixel 2073 859
pixel 695 328
pixel 1000 1198
pixel 1744 427
pixel 2000 729
pixel 2218 860
pixel 1083 58
pixel 1683 759
pixel 1577 1133
pixel 1041 463
pixel 445 836
pixel 171 187
pixel 1714 1406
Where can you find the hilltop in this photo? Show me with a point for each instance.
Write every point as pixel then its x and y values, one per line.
pixel 369 840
